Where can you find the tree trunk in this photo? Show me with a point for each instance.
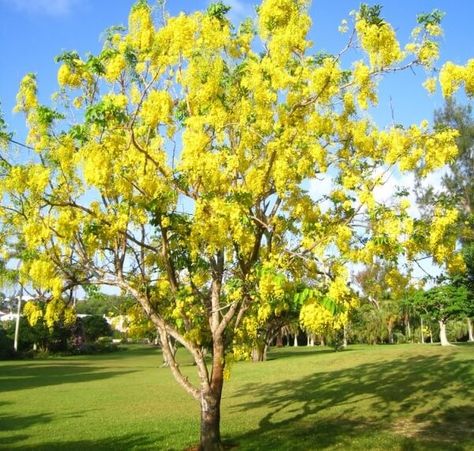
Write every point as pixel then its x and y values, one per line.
pixel 390 332
pixel 470 329
pixel 210 421
pixel 211 402
pixel 422 333
pixel 279 340
pixel 295 340
pixel 442 333
pixel 173 348
pixel 344 338
pixel 259 353
pixel 408 331
pixel 322 340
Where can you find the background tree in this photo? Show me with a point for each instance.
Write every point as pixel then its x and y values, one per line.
pixel 52 324
pixel 457 188
pixel 181 180
pixel 98 303
pixel 442 303
pixel 94 327
pixel 384 288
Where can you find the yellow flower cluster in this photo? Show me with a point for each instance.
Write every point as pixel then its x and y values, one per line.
pixel 57 311
pixel 440 225
pixel 338 288
pixel 141 30
pixel 157 108
pixel 316 318
pixel 285 24
pixel 365 86
pixel 380 43
pixel 176 39
pixel 452 76
pixel 32 312
pixel 73 74
pixel 213 33
pixel 270 287
pixel 430 85
pixel 42 274
pixel 114 67
pixel 326 79
pixel 26 99
pixel 33 178
pixel 35 232
pixel 68 77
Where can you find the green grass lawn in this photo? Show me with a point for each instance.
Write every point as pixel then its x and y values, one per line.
pixel 401 397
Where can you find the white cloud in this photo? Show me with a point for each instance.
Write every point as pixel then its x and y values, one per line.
pixel 320 187
pixel 44 7
pixel 385 193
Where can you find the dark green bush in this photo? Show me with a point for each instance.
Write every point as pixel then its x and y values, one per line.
pixel 94 326
pixel 6 345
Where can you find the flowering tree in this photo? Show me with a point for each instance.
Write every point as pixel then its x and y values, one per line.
pixel 173 166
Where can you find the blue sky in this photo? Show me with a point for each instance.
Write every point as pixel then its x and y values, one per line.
pixel 32 32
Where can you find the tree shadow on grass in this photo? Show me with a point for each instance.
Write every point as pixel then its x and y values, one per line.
pixel 27 376
pixel 17 423
pixel 302 351
pixel 124 442
pixel 402 404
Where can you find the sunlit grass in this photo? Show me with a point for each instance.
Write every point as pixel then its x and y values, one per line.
pixel 385 397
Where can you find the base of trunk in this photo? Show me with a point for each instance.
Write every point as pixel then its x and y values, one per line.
pixel 210 424
pixel 259 353
pixel 442 334
pixel 470 330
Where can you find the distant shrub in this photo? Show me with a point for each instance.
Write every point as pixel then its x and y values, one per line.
pixel 95 348
pixel 95 326
pixel 6 345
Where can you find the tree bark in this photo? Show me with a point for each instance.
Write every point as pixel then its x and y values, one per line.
pixel 279 340
pixel 259 353
pixel 390 332
pixel 210 421
pixel 470 330
pixel 211 401
pixel 295 340
pixel 442 333
pixel 421 330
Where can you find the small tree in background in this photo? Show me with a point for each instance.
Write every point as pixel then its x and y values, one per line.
pixel 443 303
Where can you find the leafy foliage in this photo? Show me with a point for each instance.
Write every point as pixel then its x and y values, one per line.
pixel 93 327
pixel 443 302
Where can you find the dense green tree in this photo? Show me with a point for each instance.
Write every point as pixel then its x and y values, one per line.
pixel 442 303
pixel 93 327
pixel 98 303
pixel 457 189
